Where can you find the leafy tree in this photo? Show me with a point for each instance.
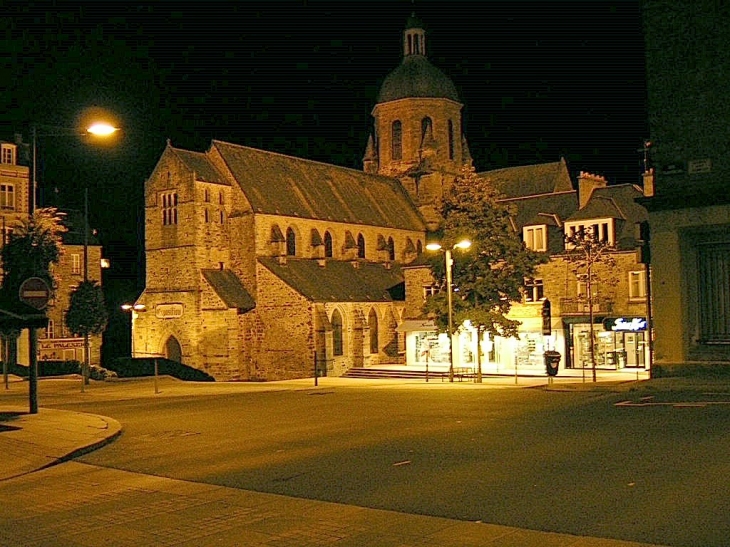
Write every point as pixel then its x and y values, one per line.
pixel 86 315
pixel 592 261
pixel 30 251
pixel 489 276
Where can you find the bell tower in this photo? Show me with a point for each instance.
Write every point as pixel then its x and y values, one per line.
pixel 418 132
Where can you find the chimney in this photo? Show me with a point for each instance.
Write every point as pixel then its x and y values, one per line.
pixel 587 182
pixel 649 183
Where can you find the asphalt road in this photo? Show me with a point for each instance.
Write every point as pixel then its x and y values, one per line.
pixel 570 462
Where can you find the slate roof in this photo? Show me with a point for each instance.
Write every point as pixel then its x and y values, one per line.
pixel 285 185
pixel 230 289
pixel 338 281
pixel 531 210
pixel 530 180
pixel 201 165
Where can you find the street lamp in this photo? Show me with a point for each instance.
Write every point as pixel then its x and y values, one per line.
pixel 98 129
pixel 435 246
pixel 135 310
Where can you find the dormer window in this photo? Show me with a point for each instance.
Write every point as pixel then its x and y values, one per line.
pixel 600 230
pixel 8 153
pixel 535 237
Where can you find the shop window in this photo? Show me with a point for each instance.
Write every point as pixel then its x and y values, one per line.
pixel 397 140
pixel 637 285
pixel 337 344
pixel 534 290
pixel 535 237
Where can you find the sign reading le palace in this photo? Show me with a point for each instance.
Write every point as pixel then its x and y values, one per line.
pixel 168 311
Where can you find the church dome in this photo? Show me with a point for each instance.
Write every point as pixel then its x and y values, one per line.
pixel 417 77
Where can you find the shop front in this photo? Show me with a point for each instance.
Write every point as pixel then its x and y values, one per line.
pixel 620 343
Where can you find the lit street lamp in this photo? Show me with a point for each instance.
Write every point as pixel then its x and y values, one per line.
pixel 97 129
pixel 135 310
pixel 435 246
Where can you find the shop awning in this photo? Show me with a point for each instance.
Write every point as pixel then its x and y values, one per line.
pixel 412 325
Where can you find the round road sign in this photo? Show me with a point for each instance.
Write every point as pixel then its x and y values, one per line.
pixel 35 292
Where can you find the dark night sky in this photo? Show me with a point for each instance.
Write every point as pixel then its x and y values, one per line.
pixel 539 80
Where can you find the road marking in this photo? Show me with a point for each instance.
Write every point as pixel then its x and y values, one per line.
pixel 697 404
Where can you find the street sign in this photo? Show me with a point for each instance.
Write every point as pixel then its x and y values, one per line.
pixel 35 292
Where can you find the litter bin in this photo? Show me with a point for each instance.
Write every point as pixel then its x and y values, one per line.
pixel 552 360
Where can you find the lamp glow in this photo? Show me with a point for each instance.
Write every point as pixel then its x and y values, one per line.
pixel 102 129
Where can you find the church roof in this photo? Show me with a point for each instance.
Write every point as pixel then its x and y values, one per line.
pixel 199 163
pixel 530 180
pixel 338 281
pixel 417 77
pixel 285 185
pixel 229 289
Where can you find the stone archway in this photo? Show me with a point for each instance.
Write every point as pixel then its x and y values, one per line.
pixel 173 350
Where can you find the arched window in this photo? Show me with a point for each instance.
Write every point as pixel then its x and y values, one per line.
pixel 391 249
pixel 397 140
pixel 360 246
pixel 373 324
pixel 451 140
pixel 419 247
pixel 426 125
pixel 327 245
pixel 337 346
pixel 291 242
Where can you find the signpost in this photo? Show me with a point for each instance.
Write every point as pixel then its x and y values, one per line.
pixel 34 292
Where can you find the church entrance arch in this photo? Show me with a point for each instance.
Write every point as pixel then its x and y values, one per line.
pixel 173 350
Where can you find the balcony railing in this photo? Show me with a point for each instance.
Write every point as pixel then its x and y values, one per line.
pixel 579 306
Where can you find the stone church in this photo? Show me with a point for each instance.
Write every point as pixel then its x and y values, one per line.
pixel 261 266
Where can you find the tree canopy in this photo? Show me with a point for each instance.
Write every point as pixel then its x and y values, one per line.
pixel 86 313
pixel 32 248
pixel 490 275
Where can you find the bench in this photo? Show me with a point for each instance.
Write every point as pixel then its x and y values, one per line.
pixel 460 373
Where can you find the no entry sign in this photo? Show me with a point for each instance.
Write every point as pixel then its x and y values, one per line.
pixel 35 292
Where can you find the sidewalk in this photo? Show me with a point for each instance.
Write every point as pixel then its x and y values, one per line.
pixel 75 504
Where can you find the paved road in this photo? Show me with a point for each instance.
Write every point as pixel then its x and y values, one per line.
pixel 569 462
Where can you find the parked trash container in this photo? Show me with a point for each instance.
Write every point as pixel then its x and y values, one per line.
pixel 552 360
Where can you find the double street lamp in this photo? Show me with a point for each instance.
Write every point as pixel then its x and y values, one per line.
pixel 435 246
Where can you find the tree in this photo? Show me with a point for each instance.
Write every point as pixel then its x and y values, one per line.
pixel 490 276
pixel 30 251
pixel 591 259
pixel 86 315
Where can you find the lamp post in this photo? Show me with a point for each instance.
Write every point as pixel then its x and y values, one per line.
pixel 98 129
pixel 135 310
pixel 449 263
